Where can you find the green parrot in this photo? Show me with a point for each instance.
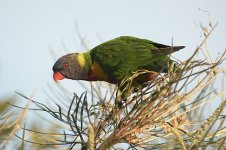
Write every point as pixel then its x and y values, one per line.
pixel 114 60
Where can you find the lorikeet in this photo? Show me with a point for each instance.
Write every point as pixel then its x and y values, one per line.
pixel 114 60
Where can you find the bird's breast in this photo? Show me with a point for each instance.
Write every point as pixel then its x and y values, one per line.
pixel 96 73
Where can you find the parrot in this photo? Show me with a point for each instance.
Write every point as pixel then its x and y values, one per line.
pixel 116 59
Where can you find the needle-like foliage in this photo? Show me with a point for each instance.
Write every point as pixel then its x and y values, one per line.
pixel 168 113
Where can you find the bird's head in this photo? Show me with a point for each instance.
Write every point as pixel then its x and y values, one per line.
pixel 68 67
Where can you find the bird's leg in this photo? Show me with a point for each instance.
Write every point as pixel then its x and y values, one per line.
pixel 120 101
pixel 123 92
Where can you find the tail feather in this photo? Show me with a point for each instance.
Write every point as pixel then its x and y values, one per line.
pixel 177 48
pixel 167 50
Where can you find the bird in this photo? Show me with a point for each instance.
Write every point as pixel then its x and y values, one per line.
pixel 116 59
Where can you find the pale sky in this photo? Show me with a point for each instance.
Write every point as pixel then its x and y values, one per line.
pixel 30 29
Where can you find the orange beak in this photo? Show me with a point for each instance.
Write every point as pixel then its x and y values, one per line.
pixel 58 76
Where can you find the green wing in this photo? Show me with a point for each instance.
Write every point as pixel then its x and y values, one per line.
pixel 121 56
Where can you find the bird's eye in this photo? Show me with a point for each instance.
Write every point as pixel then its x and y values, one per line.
pixel 66 65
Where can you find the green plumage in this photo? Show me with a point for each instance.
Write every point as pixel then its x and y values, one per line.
pixel 115 60
pixel 123 55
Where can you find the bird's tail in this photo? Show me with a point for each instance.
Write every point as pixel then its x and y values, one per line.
pixel 176 48
pixel 166 50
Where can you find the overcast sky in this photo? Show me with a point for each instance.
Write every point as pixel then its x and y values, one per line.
pixel 31 29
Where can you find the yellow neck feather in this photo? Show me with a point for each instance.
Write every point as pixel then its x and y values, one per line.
pixel 84 60
pixel 81 60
